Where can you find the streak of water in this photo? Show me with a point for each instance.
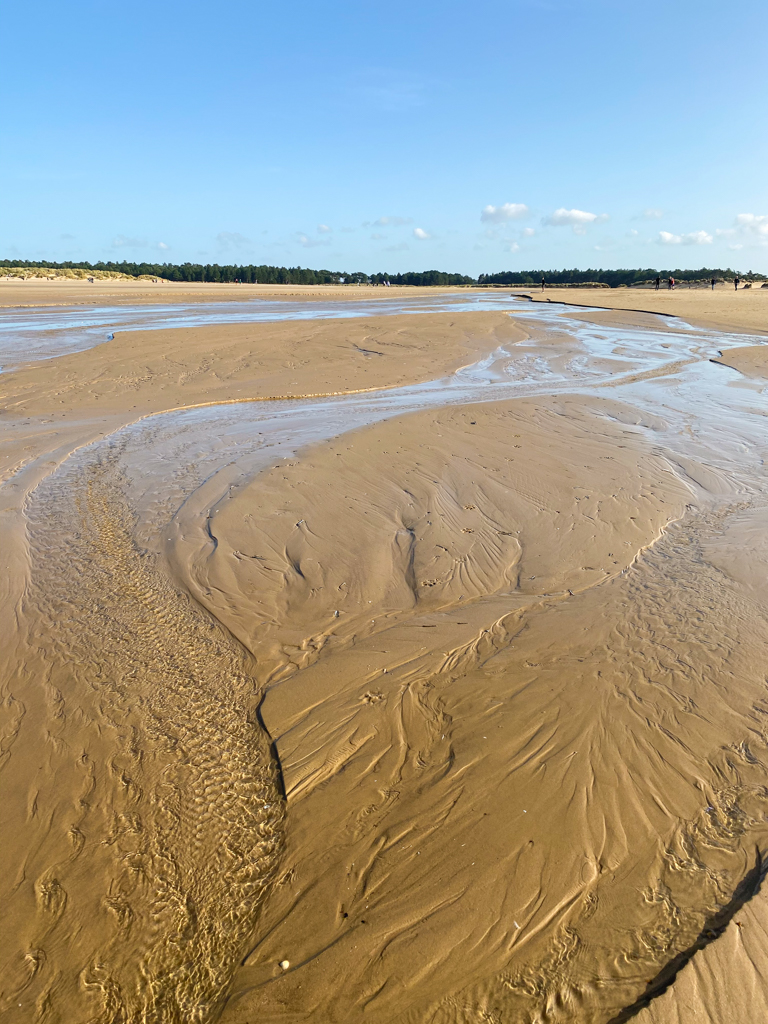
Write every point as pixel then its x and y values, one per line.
pixel 30 335
pixel 667 375
pixel 27 336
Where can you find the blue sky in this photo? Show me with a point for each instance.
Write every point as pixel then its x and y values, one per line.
pixel 470 137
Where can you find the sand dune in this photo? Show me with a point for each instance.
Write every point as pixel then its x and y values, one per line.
pixel 459 716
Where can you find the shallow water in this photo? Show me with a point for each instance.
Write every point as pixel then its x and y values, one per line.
pixel 142 689
pixel 27 336
pixel 43 333
pixel 668 375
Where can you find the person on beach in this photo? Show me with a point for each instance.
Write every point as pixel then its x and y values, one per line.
pixel 543 284
pixel 736 283
pixel 670 283
pixel 658 283
pixel 712 282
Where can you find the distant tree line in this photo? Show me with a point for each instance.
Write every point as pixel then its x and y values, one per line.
pixel 612 278
pixel 423 279
pixel 203 272
pixel 251 274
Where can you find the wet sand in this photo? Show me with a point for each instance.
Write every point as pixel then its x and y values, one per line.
pixel 458 714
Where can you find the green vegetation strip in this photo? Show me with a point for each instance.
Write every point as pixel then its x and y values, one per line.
pixel 233 274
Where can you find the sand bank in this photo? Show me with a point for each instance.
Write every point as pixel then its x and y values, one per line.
pixel 460 715
pixel 724 308
pixel 751 360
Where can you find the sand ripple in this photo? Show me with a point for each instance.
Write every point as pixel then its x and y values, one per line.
pixel 149 878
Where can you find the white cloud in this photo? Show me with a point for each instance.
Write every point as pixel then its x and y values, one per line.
pixel 393 222
pixel 500 214
pixel 378 237
pixel 692 238
pixel 121 242
pixel 753 223
pixel 514 247
pixel 563 216
pixel 751 227
pixel 232 240
pixel 310 243
pixel 162 245
pixel 323 229
pixel 579 220
pixel 697 238
pixel 529 232
pixel 651 213
pixel 421 234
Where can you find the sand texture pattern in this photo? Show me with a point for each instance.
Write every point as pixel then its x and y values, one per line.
pixel 148 874
pixel 478 782
pixel 393 669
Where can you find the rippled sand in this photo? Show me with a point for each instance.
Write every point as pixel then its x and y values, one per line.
pixel 431 703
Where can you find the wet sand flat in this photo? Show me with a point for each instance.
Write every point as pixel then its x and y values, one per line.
pixel 153 370
pixel 434 702
pixel 60 402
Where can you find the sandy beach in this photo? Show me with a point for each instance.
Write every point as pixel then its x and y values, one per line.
pixel 723 307
pixel 61 292
pixel 394 668
pixel 746 309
